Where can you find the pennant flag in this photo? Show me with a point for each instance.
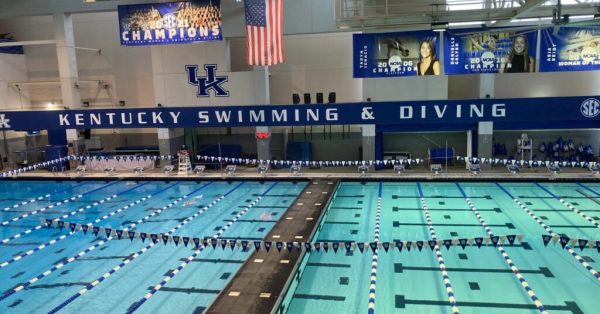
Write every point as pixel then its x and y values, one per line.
pixel 176 240
pixel 420 245
pixel 267 245
pixel 447 244
pixel 165 238
pixel 119 233
pixel 373 246
pixel 244 245
pixel 318 246
pixel 546 238
pixel 143 236
pixel 205 242
pixel 479 242
pixel 223 244
pixel 61 224
pixel 279 246
pixel 84 228
pixel 326 247
pixel 213 243
pixel 72 226
pixel 495 240
pixel 185 240
pixel 511 238
pixel 463 243
pixel 197 242
pixel 386 246
pixel 564 240
pixel 108 232
pixel 431 244
pixel 408 244
pixel 336 246
pixel 256 245
pixel 348 246
pixel 289 246
pixel 96 230
pixel 399 245
pixel 598 246
pixel 49 222
pixel 582 243
pixel 154 237
pixel 308 246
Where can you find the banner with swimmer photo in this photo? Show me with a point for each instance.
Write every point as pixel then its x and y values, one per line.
pixel 170 22
pixel 570 49
pixel 396 54
pixel 471 51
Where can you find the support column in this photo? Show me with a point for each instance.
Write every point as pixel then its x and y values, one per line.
pixel 169 141
pixel 67 71
pixel 368 142
pixel 485 133
pixel 486 85
pixel 262 91
pixel 67 60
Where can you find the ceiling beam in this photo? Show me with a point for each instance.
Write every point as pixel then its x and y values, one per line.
pixel 529 6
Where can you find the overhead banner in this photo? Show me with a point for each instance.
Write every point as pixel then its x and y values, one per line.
pixel 471 51
pixel 532 111
pixel 396 54
pixel 170 22
pixel 570 49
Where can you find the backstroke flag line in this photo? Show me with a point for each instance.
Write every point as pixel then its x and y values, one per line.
pixel 264 32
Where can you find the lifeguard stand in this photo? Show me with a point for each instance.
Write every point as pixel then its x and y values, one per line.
pixel 185 165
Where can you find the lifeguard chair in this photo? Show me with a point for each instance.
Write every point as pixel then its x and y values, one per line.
pixel 185 166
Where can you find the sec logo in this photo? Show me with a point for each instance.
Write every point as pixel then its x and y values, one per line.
pixel 590 107
pixel 170 21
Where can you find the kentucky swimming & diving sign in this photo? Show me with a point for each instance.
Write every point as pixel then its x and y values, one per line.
pixel 423 113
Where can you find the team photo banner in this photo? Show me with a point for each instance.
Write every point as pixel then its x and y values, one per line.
pixel 421 113
pixel 570 49
pixel 170 22
pixel 395 54
pixel 497 51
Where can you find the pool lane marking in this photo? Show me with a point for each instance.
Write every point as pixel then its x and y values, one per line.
pixel 438 253
pixel 130 258
pixel 81 209
pixel 73 258
pixel 39 198
pixel 64 236
pixel 43 209
pixel 173 272
pixel 587 188
pixel 585 264
pixel 373 282
pixel 532 295
pixel 570 206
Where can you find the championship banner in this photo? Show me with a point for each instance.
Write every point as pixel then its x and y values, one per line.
pixel 497 51
pixel 170 23
pixel 396 54
pixel 570 49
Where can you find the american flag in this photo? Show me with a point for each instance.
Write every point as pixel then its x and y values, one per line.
pixel 264 32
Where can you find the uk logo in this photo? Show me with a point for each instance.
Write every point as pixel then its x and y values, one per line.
pixel 4 122
pixel 590 107
pixel 208 82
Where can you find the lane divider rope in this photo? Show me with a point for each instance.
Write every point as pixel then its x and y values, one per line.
pixel 75 257
pixel 438 252
pixel 373 282
pixel 39 198
pixel 507 259
pixel 173 272
pixel 585 264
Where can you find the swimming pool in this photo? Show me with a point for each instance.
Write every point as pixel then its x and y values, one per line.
pixel 51 270
pixel 526 277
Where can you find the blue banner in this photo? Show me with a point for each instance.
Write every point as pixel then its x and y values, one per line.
pixel 472 51
pixel 396 54
pixel 570 49
pixel 17 50
pixel 170 22
pixel 530 111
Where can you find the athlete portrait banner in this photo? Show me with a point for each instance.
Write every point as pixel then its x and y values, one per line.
pixel 469 51
pixel 395 54
pixel 170 22
pixel 570 49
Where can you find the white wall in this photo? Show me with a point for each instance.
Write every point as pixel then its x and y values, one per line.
pixel 12 69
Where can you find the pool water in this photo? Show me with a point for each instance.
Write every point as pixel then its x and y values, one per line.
pixel 209 209
pixel 482 280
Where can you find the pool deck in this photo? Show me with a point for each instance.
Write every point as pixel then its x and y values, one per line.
pixel 258 284
pixel 344 173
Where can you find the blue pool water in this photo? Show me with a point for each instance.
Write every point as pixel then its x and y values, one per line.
pixel 481 279
pixel 121 204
